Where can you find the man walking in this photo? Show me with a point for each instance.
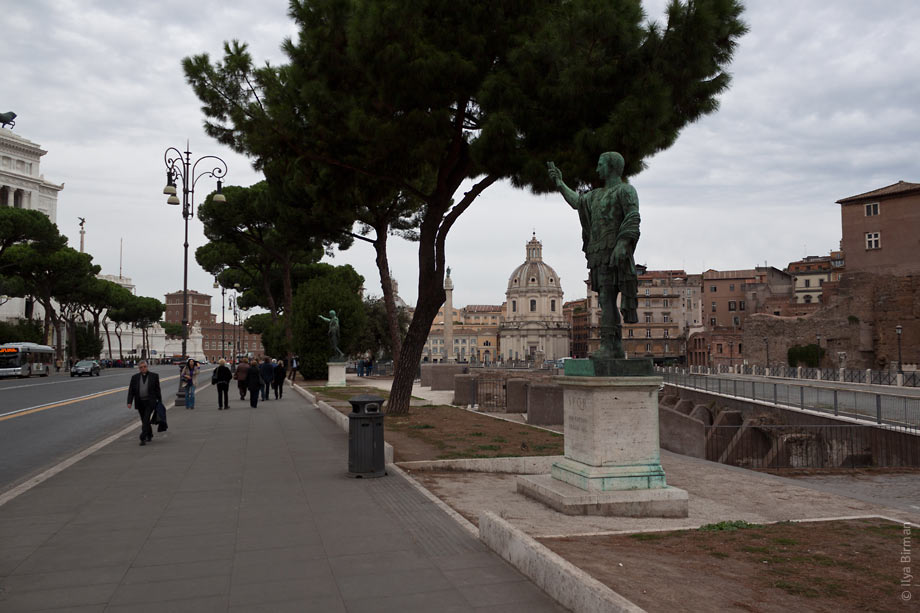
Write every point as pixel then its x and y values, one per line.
pixel 242 370
pixel 145 389
pixel 295 364
pixel 267 371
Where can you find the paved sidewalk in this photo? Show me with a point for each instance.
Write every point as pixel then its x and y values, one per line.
pixel 243 510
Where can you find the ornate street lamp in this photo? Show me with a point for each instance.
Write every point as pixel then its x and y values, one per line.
pixel 766 342
pixel 179 167
pixel 898 329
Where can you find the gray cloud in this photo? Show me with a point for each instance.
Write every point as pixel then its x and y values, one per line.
pixel 822 106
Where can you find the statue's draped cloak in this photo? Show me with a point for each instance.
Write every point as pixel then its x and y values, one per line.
pixel 607 216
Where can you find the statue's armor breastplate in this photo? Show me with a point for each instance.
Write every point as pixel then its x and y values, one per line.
pixel 606 216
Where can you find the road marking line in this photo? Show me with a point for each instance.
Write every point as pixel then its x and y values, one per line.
pixel 60 403
pixel 29 484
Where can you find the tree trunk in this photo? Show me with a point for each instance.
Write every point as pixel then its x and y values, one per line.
pixel 389 299
pixel 288 306
pixel 430 298
pixel 108 337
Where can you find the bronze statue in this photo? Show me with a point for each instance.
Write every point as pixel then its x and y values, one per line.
pixel 333 321
pixel 6 119
pixel 609 219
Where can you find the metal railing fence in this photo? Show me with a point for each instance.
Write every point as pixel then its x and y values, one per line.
pixel 902 412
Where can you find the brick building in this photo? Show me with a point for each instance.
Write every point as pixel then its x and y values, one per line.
pixel 474 334
pixel 881 230
pixel 577 316
pixel 199 308
pixel 214 334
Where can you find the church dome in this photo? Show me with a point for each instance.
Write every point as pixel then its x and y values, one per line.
pixel 534 273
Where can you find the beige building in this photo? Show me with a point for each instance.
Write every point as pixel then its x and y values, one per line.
pixel 534 327
pixel 474 335
pixel 669 307
pixel 809 276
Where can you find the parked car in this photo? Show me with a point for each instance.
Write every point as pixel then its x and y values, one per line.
pixel 86 367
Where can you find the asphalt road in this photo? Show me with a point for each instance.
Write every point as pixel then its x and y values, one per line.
pixel 44 420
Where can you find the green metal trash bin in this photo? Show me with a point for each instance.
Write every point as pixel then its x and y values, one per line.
pixel 365 437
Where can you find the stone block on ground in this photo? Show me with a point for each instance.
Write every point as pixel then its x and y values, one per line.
pixel 464 390
pixel 516 395
pixel 545 404
pixel 442 375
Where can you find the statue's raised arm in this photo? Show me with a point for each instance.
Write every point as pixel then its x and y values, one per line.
pixel 570 195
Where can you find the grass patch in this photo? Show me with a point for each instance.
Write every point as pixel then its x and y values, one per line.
pixel 727 526
pixel 421 427
pixel 648 536
pixel 785 541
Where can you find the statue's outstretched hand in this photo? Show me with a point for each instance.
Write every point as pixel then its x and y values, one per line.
pixel 554 173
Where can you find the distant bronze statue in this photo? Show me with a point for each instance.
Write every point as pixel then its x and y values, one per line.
pixel 333 321
pixel 6 119
pixel 609 219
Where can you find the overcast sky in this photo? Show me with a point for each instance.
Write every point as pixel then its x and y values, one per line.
pixel 823 105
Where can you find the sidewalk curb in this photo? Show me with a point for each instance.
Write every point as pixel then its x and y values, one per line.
pixel 527 465
pixel 563 581
pixel 339 418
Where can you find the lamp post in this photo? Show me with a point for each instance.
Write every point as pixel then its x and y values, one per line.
pixel 898 329
pixel 179 166
pixel 709 354
pixel 818 338
pixel 766 342
pixel 223 322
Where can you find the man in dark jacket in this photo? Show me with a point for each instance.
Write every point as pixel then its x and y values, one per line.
pixel 145 389
pixel 267 370
pixel 254 384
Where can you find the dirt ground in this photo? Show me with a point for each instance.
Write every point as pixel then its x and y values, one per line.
pixel 442 432
pixel 828 566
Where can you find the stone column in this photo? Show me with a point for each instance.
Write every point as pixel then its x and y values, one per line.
pixel 449 319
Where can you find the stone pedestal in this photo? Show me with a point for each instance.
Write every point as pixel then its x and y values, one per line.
pixel 612 462
pixel 336 374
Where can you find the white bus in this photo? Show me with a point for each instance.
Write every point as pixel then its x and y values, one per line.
pixel 25 360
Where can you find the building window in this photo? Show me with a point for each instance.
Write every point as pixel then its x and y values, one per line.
pixel 666 333
pixel 648 333
pixel 648 318
pixel 807 298
pixel 712 322
pixel 552 305
pixel 719 348
pixel 807 282
pixel 666 317
pixel 665 292
pixel 732 305
pixel 514 306
pixel 712 289
pixel 665 303
pixel 648 347
pixel 713 307
pixel 533 306
pixel 630 335
pixel 741 305
pixel 736 321
pixel 647 291
pixel 872 209
pixel 648 303
pixel 873 240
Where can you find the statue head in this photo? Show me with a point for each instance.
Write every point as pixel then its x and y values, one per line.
pixel 331 313
pixel 610 164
